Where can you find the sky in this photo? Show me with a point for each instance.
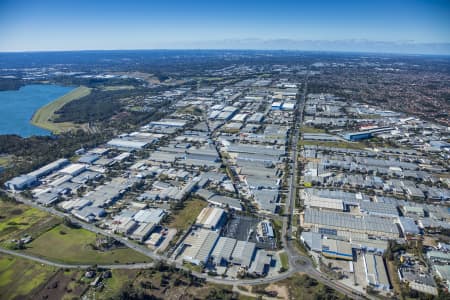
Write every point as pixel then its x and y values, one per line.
pixel 149 24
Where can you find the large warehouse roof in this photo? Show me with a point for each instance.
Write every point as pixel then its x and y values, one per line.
pixel 199 245
pixel 223 249
pixel 243 253
pixel 210 217
pixel 121 143
pixel 347 221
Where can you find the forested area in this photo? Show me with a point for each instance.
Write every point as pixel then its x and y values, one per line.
pixel 97 106
pixel 96 82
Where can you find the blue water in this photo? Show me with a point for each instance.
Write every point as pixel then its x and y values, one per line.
pixel 17 107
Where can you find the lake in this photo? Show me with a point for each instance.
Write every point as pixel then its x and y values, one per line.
pixel 18 107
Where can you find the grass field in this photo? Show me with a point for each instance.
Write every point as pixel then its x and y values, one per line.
pixel 193 110
pixel 19 277
pixel 184 218
pixel 68 245
pixel 45 115
pixel 284 260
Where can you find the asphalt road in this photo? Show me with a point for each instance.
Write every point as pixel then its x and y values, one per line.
pixel 297 261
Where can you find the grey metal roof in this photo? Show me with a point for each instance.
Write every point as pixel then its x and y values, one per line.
pixel 350 222
pixel 243 253
pixel 223 249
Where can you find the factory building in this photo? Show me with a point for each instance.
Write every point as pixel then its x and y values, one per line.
pixel 366 224
pixel 256 118
pixel 21 182
pixel 127 227
pixel 127 144
pixel 225 201
pixel 337 249
pixel 358 136
pixel 276 105
pixel 198 245
pixel 223 250
pixel 89 213
pixel 50 168
pixel 143 231
pixel 25 181
pixel 363 135
pixel 288 106
pixel 211 218
pixel 73 169
pixel 375 271
pixel 243 253
pixel 262 263
pixel 151 215
pixel 314 242
pixel 169 123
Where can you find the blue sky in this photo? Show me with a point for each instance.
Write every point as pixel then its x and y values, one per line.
pixel 130 24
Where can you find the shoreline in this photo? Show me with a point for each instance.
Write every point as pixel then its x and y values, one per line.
pixel 42 117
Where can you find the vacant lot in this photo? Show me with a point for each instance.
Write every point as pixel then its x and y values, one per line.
pixel 159 284
pixel 348 145
pixel 45 116
pixel 307 129
pixel 68 284
pixel 114 286
pixel 72 246
pixel 182 219
pixel 19 277
pixel 17 220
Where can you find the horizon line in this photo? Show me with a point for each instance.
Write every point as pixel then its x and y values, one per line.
pixel 225 49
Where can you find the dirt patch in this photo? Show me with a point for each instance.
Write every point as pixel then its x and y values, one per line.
pixel 282 291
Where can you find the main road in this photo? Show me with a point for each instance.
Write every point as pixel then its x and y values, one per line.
pixel 74 266
pixel 297 261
